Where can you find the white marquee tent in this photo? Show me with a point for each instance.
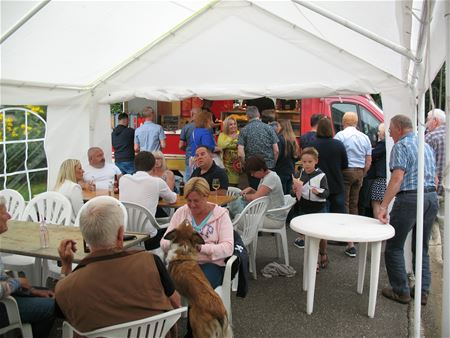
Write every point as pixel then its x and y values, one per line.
pixel 77 57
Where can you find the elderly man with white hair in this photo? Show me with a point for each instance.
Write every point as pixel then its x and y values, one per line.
pixel 110 286
pixel 435 137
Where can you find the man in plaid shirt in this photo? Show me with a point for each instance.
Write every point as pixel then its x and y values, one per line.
pixel 403 186
pixel 436 139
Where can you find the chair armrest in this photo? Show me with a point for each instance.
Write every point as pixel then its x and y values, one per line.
pixel 12 310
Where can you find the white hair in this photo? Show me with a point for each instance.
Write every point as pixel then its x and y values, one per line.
pixel 2 201
pixel 438 114
pixel 100 222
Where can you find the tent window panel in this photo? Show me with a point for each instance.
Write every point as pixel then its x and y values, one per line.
pixel 2 162
pixel 15 125
pixel 15 157
pixel 22 133
pixel 338 110
pixel 368 124
pixel 18 182
pixel 36 128
pixel 38 181
pixel 36 155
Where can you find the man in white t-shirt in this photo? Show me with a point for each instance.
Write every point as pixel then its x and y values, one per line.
pixel 98 170
pixel 144 189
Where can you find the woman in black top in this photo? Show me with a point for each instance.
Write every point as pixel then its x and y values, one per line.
pixel 288 153
pixel 332 160
pixel 377 171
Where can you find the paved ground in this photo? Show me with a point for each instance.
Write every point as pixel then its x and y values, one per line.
pixel 276 307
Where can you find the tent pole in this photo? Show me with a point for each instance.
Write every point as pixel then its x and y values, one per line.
pixel 445 331
pixel 365 32
pixel 22 21
pixel 419 215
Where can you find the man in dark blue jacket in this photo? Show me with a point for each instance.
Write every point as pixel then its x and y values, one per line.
pixel 123 142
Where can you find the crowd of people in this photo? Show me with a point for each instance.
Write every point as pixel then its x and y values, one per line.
pixel 261 159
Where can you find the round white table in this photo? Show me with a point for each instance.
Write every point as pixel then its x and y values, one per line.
pixel 343 228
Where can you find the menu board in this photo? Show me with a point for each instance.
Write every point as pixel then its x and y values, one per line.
pixel 170 122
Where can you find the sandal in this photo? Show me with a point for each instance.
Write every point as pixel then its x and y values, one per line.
pixel 324 260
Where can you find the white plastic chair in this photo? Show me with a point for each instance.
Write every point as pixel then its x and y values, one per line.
pixel 139 217
pixel 15 204
pixel 56 209
pixel 247 223
pixel 103 198
pixel 233 191
pixel 224 290
pixel 281 238
pixel 52 269
pixel 155 326
pixel 54 206
pixel 14 319
pixel 166 220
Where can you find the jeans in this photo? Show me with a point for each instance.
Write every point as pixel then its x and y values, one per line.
pixel 403 219
pixel 214 273
pixel 353 179
pixel 126 167
pixel 336 203
pixel 37 311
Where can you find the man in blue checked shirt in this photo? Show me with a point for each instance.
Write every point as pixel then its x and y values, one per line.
pixel 403 186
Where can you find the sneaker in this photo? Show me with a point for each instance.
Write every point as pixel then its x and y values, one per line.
pixel 351 252
pixel 299 243
pixel 403 298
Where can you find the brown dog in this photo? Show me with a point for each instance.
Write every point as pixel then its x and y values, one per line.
pixel 207 316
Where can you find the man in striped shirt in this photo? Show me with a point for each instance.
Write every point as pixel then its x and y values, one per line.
pixel 403 186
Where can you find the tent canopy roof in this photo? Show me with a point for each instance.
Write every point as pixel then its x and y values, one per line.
pixel 172 50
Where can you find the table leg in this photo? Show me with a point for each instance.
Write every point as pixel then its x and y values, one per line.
pixel 305 263
pixel 313 252
pixel 361 266
pixel 374 273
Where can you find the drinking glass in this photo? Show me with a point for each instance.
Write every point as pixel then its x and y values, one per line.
pixel 216 185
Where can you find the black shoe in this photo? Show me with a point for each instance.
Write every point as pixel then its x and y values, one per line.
pixel 423 298
pixel 403 298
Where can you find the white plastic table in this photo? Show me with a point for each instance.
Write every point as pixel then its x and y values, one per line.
pixel 343 228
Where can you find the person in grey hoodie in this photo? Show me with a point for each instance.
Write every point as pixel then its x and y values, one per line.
pixel 123 142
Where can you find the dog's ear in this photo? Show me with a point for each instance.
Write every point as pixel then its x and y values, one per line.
pixel 197 239
pixel 170 236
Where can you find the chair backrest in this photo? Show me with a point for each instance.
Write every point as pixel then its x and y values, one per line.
pixel 139 217
pixel 249 221
pixel 15 203
pixel 103 198
pixel 15 322
pixel 233 191
pixel 289 202
pixel 155 326
pixel 54 206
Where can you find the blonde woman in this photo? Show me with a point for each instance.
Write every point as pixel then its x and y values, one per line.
pixel 213 224
pixel 160 170
pixel 228 143
pixel 289 151
pixel 70 173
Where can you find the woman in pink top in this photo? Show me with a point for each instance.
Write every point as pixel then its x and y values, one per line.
pixel 212 222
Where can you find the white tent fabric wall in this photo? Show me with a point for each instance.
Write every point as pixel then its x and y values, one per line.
pixel 79 56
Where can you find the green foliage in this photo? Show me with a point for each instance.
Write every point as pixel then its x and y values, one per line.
pixel 438 92
pixel 116 108
pixel 19 126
